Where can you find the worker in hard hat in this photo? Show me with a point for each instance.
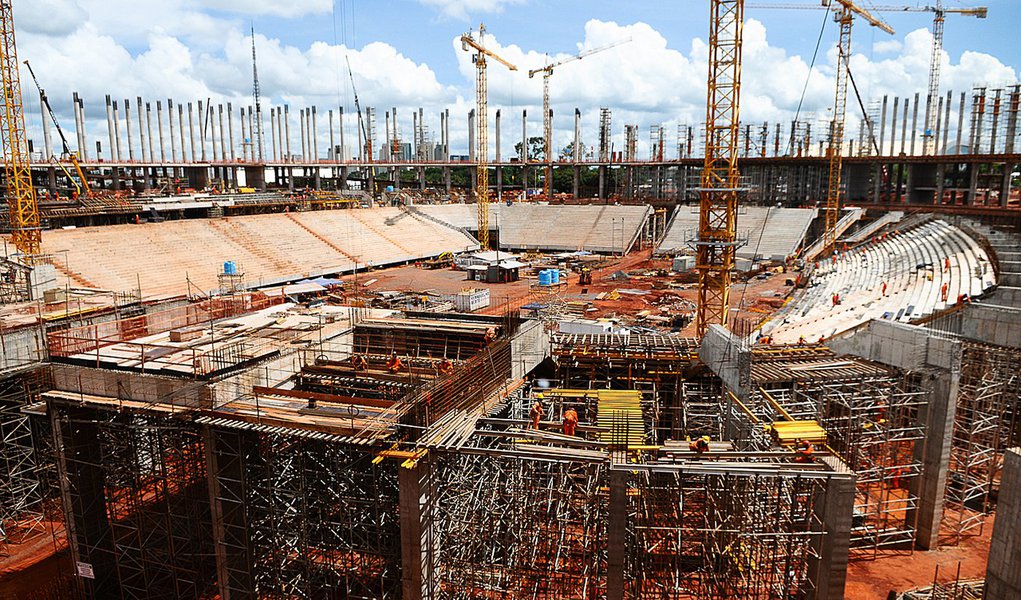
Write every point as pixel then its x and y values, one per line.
pixel 358 362
pixel 535 414
pixel 804 450
pixel 445 367
pixel 570 422
pixel 699 445
pixel 394 364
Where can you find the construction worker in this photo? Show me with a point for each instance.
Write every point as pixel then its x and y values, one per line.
pixel 570 422
pixel 801 340
pixel 535 414
pixel 884 288
pixel 804 451
pixel 446 367
pixel 699 445
pixel 946 264
pixel 943 291
pixel 394 364
pixel 358 362
pixel 836 299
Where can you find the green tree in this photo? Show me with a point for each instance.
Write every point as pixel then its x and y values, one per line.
pixel 536 152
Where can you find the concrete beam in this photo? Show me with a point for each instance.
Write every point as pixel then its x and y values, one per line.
pixel 1003 577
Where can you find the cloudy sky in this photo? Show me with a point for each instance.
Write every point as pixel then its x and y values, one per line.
pixel 406 53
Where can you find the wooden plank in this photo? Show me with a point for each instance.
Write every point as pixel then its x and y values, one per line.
pixel 320 397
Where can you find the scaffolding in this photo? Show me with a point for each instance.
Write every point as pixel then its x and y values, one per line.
pixel 985 425
pixel 22 509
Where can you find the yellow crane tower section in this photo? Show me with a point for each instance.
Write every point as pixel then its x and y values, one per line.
pixel 547 114
pixel 21 200
pixel 720 182
pixel 845 17
pixel 481 191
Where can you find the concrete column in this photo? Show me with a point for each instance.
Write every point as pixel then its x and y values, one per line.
pixel 47 139
pixel 83 149
pixel 524 154
pixel 258 152
pixel 1014 103
pixel 471 135
pixel 180 128
pixel 287 133
pixel 159 130
pixel 127 128
pixel 834 508
pixel 230 130
pixel 928 136
pixel 904 127
pixel 272 134
pixel 304 131
pixel 893 127
pixel 446 138
pixel 79 138
pixel 1003 577
pixel 616 535
pixel 115 133
pixel 210 120
pixel 144 132
pixel 332 154
pixel 996 122
pixel 914 123
pixel 577 153
pixel 314 147
pixel 960 123
pixel 244 132
pixel 499 169
pixel 419 547
pixel 223 138
pixel 937 123
pixel 173 139
pixel 934 455
pixel 946 121
pixel 191 131
pixel 203 119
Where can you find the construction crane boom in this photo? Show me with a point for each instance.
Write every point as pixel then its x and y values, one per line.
pixel 83 187
pixel 720 183
pixel 21 201
pixel 358 109
pixel 845 17
pixel 481 191
pixel 547 115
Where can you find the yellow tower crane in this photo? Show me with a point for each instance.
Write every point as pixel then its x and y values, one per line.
pixel 22 205
pixel 481 192
pixel 547 116
pixel 720 183
pixel 845 17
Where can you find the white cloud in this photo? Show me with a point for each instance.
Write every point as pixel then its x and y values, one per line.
pixel 288 9
pixel 462 10
pixel 49 17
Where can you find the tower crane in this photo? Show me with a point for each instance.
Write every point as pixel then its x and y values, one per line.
pixel 469 43
pixel 845 17
pixel 83 188
pixel 547 119
pixel 935 62
pixel 22 205
pixel 720 185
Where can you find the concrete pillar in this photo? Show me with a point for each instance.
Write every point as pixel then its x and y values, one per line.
pixel 446 137
pixel 576 183
pixel 79 138
pixel 144 132
pixel 315 142
pixel 524 154
pixel 937 123
pixel 914 123
pixel 191 132
pixel 332 154
pixel 244 132
pixel 340 125
pixel 47 139
pixel 616 535
pixel 419 547
pixel 159 130
pixel 173 137
pixel 471 135
pixel 223 138
pixel 230 130
pixel 893 126
pixel 928 138
pixel 934 455
pixel 834 509
pixel 287 134
pixel 302 131
pixel 1013 104
pixel 1003 577
pixel 115 133
pixel 499 169
pixel 946 121
pixel 127 128
pixel 960 123
pixel 180 128
pixel 996 122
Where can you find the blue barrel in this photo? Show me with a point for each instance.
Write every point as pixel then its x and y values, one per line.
pixel 555 275
pixel 229 268
pixel 389 188
pixel 545 278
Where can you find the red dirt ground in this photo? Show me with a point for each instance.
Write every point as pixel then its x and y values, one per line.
pixel 874 579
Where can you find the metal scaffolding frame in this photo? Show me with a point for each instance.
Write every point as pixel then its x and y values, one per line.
pixel 985 425
pixel 22 508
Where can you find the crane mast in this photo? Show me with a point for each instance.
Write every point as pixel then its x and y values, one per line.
pixel 481 191
pixel 21 200
pixel 720 185
pixel 547 114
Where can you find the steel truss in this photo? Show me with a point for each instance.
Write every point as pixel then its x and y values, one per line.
pixel 509 527
pixel 720 536
pixel 985 425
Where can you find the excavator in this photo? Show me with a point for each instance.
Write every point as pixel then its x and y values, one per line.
pixel 81 184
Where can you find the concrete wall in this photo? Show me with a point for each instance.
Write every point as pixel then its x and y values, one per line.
pixel 729 357
pixel 124 385
pixel 1003 575
pixel 999 325
pixel 529 347
pixel 21 347
pixel 895 344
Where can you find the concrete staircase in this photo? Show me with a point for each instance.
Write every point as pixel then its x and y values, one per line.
pixel 1005 241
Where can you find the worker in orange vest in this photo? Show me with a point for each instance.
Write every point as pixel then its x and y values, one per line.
pixel 358 362
pixel 946 264
pixel 394 364
pixel 570 421
pixel 884 288
pixel 446 367
pixel 699 445
pixel 535 414
pixel 943 291
pixel 801 340
pixel 804 451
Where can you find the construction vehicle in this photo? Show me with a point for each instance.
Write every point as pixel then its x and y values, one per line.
pixel 585 277
pixel 468 43
pixel 440 262
pixel 82 184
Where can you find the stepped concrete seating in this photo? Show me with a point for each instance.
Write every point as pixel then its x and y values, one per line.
pixel 913 266
pixel 162 257
pixel 596 228
pixel 771 233
pixel 851 216
pixel 863 234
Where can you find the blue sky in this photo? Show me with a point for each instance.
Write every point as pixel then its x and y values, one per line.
pixel 404 54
